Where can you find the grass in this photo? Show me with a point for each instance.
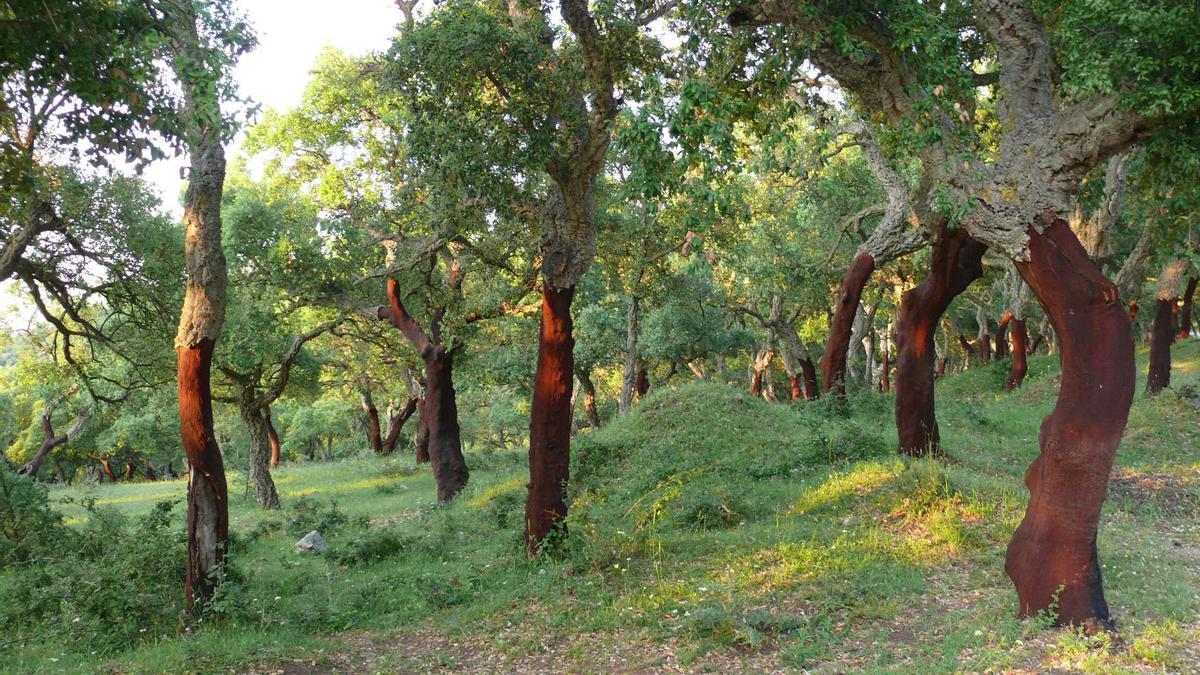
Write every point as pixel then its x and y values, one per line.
pixel 709 531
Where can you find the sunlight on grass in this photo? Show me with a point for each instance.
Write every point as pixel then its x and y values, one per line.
pixel 862 480
pixel 504 487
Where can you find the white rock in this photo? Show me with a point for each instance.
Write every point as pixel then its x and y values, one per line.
pixel 312 542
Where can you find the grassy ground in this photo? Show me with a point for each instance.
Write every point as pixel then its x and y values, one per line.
pixel 710 532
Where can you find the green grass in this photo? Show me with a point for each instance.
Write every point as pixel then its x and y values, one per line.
pixel 709 530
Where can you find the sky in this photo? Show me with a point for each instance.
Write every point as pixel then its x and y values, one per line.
pixel 291 33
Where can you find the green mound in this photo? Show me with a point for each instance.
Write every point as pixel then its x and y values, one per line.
pixel 684 456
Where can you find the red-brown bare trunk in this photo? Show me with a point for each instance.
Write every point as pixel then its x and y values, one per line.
pixel 1052 555
pixel 1162 332
pixel 643 383
pixel 1016 372
pixel 208 495
pixel 550 419
pixel 272 438
pixel 809 370
pixel 374 436
pixel 396 425
pixel 795 393
pixel 1001 350
pixel 954 265
pixel 1185 312
pixel 941 369
pixel 1133 310
pixel 833 361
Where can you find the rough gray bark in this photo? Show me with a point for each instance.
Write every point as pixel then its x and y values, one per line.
pixel 260 451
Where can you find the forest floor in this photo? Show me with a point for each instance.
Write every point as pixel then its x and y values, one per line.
pixel 710 532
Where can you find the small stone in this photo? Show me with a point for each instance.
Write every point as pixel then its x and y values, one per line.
pixel 312 542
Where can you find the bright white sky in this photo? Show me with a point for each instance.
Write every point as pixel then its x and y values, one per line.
pixel 291 33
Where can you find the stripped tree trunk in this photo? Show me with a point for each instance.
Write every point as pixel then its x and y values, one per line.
pixel 1052 556
pixel 374 436
pixel 1158 375
pixel 272 437
pixel 954 265
pixel 396 425
pixel 50 441
pixel 589 396
pixel 203 313
pixel 833 362
pixel 439 411
pixel 643 383
pixel 550 421
pixel 1001 349
pixel 1185 312
pixel 1016 373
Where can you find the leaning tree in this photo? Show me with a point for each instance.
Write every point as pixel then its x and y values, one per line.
pixel 1063 102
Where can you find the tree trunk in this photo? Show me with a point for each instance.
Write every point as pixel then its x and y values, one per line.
pixel 208 494
pixel 795 392
pixel 550 420
pixel 260 452
pixel 445 437
pixel 811 387
pixel 629 374
pixel 1037 342
pixel 50 441
pixel 643 383
pixel 1001 350
pixel 106 469
pixel 396 425
pixel 1158 376
pixel 421 441
pixel 589 397
pixel 968 350
pixel 885 383
pixel 272 437
pixel 1016 372
pixel 1163 332
pixel 833 361
pixel 984 339
pixel 1185 313
pixel 203 311
pixel 954 265
pixel 1052 555
pixel 374 437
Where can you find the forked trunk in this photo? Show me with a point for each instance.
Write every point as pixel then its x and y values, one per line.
pixel 272 437
pixel 396 425
pixel 954 265
pixel 441 412
pixel 833 362
pixel 1158 376
pixel 1185 312
pixel 968 350
pixel 260 452
pixel 1052 556
pixel 1016 372
pixel 550 419
pixel 208 495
